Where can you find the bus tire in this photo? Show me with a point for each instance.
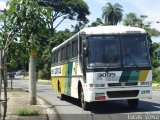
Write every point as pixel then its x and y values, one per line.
pixel 133 103
pixel 60 95
pixel 84 104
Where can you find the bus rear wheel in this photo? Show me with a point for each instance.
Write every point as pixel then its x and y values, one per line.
pixel 60 95
pixel 133 103
pixel 84 104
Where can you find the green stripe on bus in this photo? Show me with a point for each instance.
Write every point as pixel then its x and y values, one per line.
pixel 125 76
pixel 129 76
pixel 68 80
pixel 134 76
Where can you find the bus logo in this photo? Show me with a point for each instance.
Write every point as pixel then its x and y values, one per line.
pixel 122 83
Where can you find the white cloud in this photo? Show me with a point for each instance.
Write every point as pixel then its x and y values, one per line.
pixel 2 5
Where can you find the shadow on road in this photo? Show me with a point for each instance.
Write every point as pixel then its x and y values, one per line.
pixel 112 107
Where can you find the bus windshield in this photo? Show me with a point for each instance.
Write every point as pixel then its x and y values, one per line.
pixel 134 51
pixel 104 51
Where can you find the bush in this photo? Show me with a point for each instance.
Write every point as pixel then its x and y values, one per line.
pixel 156 72
pixel 27 112
pixel 44 74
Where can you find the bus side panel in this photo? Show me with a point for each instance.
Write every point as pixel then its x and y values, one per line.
pixel 54 83
pixel 76 77
pixel 68 79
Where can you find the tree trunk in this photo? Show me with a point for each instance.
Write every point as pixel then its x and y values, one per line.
pixel 4 77
pixel 32 79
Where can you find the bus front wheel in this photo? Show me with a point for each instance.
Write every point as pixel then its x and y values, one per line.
pixel 84 104
pixel 133 103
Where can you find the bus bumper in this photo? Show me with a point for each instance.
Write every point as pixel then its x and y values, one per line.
pixel 92 95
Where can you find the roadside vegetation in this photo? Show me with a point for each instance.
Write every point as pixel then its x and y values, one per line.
pixel 18 52
pixel 27 112
pixel 29 29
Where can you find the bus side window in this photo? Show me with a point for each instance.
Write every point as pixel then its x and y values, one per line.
pixel 69 51
pixel 56 57
pixel 59 56
pixel 53 58
pixel 74 48
pixel 80 46
pixel 63 54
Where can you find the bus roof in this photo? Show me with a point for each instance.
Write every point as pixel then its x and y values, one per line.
pixel 106 30
pixel 112 30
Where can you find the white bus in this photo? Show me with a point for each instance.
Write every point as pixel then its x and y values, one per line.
pixel 103 63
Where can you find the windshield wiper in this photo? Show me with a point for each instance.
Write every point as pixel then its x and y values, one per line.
pixel 133 61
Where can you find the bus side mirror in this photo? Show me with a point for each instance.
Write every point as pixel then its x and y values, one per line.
pixel 85 48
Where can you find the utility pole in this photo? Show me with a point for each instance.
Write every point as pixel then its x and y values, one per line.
pixel 32 74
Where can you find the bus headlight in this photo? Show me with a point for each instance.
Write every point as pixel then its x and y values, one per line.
pixel 145 91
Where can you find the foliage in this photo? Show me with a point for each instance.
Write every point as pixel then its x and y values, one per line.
pixel 132 19
pixel 155 61
pixel 38 22
pixel 44 54
pixel 29 18
pixel 78 27
pixel 112 14
pixel 96 23
pixel 18 57
pixel 27 112
pixel 155 58
pixel 60 37
pixel 152 32
pixel 76 10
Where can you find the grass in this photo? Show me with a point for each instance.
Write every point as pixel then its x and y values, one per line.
pixel 16 94
pixel 44 82
pixel 27 112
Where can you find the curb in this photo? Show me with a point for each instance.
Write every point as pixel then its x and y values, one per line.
pixel 49 109
pixel 52 112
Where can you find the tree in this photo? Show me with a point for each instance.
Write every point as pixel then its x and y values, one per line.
pixel 44 55
pixel 112 14
pixel 153 32
pixel 131 20
pixel 136 21
pixel 79 26
pixel 96 23
pixel 70 9
pixel 140 21
pixel 7 36
pixel 29 19
pixel 66 9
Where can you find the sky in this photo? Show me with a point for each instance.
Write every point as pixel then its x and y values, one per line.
pixel 140 7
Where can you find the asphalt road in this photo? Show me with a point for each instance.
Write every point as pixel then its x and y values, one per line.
pixel 69 109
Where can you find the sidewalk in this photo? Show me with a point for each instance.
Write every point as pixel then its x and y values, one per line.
pixel 19 99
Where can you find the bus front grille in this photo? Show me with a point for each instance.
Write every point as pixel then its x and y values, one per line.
pixel 120 94
pixel 123 84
